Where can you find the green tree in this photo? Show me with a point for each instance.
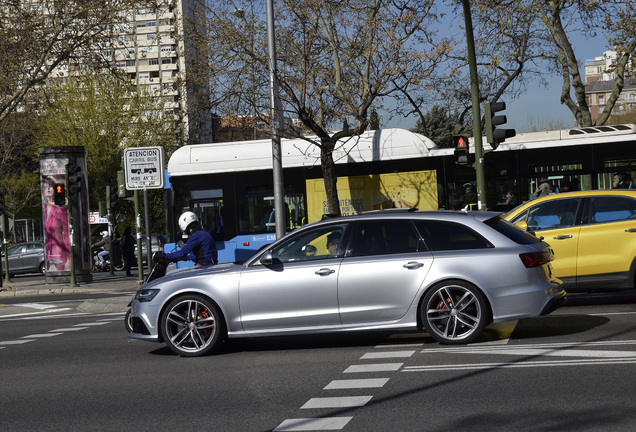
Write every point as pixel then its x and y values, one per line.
pixel 440 125
pixel 336 60
pixel 105 114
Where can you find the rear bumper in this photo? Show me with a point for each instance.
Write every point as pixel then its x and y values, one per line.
pixel 555 302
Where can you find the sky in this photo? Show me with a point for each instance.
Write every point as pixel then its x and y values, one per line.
pixel 539 107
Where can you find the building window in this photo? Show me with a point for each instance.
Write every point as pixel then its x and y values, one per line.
pixel 153 61
pixel 130 63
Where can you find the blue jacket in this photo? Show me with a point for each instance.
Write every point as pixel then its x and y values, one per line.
pixel 199 248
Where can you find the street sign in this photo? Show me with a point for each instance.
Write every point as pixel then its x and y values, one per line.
pixel 144 168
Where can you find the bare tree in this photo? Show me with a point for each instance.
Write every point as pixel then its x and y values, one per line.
pixel 549 27
pixel 337 59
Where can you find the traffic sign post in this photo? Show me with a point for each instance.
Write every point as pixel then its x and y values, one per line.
pixel 143 167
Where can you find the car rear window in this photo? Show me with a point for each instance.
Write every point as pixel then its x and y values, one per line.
pixel 442 235
pixel 512 231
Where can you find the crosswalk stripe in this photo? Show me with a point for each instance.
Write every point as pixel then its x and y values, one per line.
pixel 356 383
pixel 376 367
pixel 337 402
pixel 313 424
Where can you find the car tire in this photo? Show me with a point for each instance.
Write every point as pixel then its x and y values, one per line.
pixel 454 312
pixel 128 320
pixel 42 269
pixel 191 325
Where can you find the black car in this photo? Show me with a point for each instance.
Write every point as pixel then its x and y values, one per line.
pixel 25 258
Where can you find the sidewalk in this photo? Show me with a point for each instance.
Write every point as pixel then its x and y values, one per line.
pixel 101 283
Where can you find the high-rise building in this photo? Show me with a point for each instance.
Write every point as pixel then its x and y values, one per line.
pixel 153 46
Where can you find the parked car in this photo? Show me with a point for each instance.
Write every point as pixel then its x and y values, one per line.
pixel 157 241
pixel 592 233
pixel 25 258
pixel 451 273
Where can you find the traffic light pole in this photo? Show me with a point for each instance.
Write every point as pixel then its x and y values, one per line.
pixel 474 91
pixel 4 249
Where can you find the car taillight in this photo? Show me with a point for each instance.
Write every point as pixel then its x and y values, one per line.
pixel 535 259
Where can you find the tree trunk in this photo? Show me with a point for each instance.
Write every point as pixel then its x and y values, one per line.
pixel 328 172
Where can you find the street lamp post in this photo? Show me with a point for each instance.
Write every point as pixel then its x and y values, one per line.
pixel 277 158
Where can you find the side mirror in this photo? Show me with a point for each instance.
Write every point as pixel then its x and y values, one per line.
pixel 523 225
pixel 267 259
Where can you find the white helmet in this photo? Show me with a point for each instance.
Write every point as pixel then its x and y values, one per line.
pixel 186 219
pixel 104 234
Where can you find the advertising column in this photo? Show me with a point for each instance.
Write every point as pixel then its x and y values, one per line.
pixel 65 214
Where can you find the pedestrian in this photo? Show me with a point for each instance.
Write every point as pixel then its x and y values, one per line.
pixel 127 243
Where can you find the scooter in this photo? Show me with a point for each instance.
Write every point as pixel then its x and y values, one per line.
pixel 159 266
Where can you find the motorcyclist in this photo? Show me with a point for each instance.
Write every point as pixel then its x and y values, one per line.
pixel 105 244
pixel 200 246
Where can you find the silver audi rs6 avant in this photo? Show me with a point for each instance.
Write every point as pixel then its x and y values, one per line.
pixel 447 272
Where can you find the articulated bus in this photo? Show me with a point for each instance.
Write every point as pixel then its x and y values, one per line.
pixel 229 185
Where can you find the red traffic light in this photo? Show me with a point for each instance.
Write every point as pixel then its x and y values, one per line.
pixel 59 194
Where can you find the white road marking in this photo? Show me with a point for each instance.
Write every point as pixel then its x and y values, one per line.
pixel 40 312
pixel 377 367
pixel 313 424
pixel 356 383
pixel 15 342
pixel 99 323
pixel 387 354
pixel 41 335
pixel 514 365
pixel 337 402
pixel 69 329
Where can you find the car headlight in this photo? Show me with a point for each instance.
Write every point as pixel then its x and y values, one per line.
pixel 146 295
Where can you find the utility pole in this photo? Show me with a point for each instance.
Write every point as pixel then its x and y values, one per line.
pixel 277 157
pixel 474 91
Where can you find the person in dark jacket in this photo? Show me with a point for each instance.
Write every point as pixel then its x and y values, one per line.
pixel 127 243
pixel 200 246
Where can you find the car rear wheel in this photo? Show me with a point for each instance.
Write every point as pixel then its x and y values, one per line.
pixel 191 325
pixel 42 269
pixel 454 312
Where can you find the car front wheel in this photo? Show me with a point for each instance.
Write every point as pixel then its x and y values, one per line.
pixel 191 325
pixel 454 312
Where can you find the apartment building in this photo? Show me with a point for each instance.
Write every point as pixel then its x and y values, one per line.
pixel 153 46
pixel 599 83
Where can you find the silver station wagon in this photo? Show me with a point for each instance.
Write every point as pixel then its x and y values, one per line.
pixel 449 273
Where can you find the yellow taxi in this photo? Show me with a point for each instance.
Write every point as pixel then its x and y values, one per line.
pixel 592 233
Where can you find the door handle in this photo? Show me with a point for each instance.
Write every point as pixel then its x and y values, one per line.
pixel 413 265
pixel 563 237
pixel 325 272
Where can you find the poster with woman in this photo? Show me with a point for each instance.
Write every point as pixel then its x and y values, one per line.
pixel 54 217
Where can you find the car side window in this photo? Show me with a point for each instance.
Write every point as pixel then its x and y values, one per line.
pixel 379 237
pixel 323 242
pixel 553 214
pixel 441 235
pixel 611 209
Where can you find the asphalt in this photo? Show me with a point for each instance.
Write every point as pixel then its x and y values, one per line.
pixel 102 283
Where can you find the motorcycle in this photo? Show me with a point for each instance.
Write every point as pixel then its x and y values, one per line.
pixel 159 267
pixel 102 266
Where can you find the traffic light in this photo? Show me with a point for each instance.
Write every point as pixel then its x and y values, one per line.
pixel 111 197
pixel 74 178
pixel 462 151
pixel 496 136
pixel 1 203
pixel 59 194
pixel 122 192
